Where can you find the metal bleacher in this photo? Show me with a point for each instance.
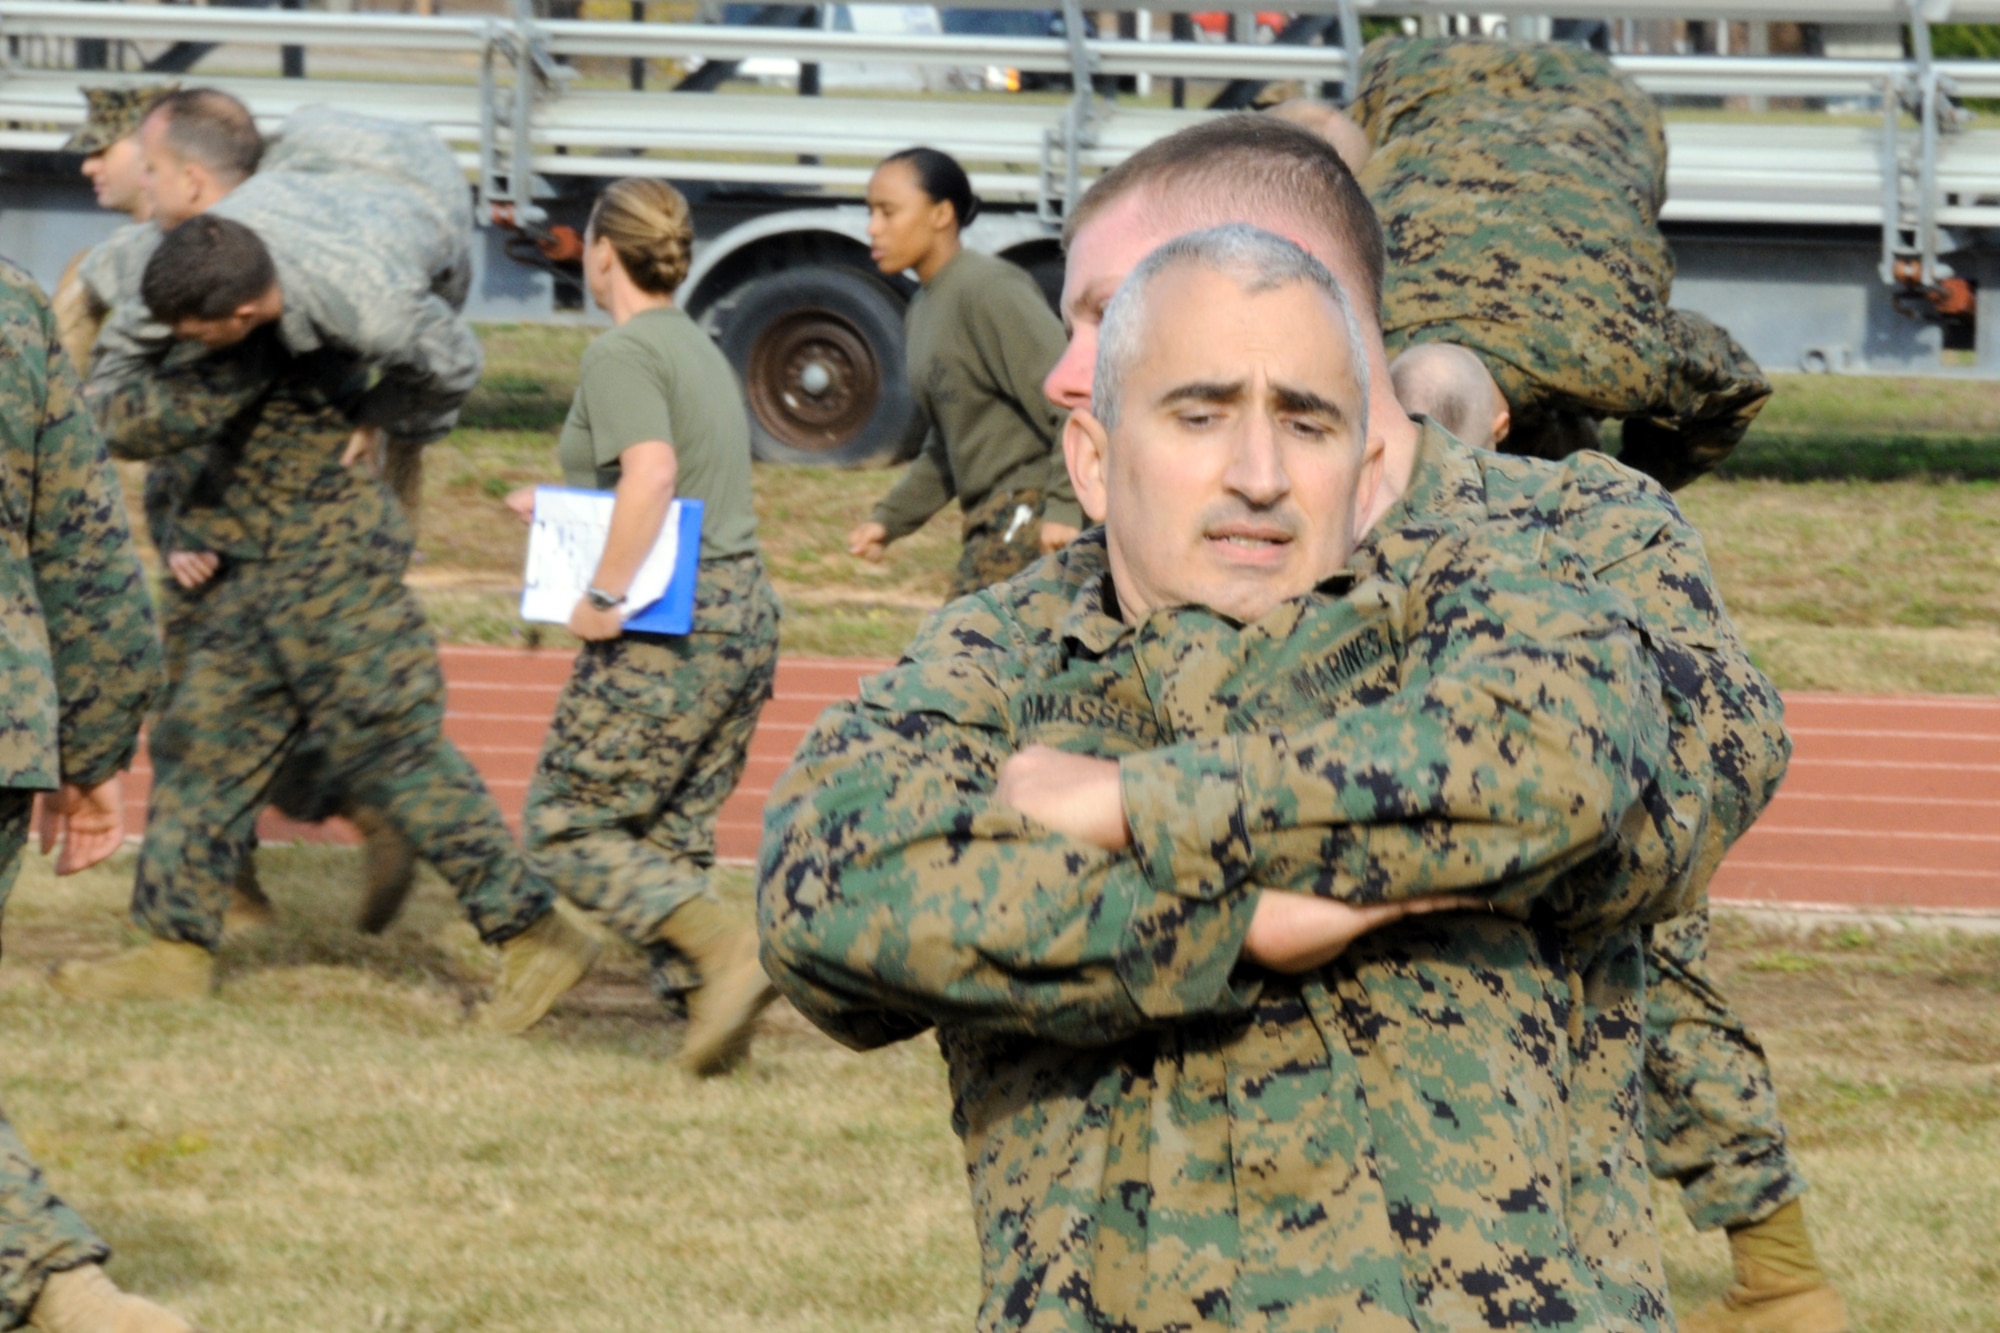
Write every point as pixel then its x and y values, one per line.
pixel 501 88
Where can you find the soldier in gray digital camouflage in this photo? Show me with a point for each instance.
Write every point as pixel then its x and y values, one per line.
pixel 79 660
pixel 310 631
pixel 1711 1115
pixel 1209 1074
pixel 1520 187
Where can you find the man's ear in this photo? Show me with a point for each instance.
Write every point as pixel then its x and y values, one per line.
pixel 1503 421
pixel 249 311
pixel 1085 442
pixel 1368 485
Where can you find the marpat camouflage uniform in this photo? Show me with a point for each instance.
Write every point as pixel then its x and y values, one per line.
pixel 79 663
pixel 308 626
pixel 1159 1138
pixel 1711 1114
pixel 1003 536
pixel 1519 189
pixel 649 739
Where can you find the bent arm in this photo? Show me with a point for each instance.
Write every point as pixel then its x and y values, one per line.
pixel 924 488
pixel 426 375
pixel 646 477
pixel 193 401
pixel 1526 729
pixel 895 892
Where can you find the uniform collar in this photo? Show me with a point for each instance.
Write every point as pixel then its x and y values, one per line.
pixel 1092 626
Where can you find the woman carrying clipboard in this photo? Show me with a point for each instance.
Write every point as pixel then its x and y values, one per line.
pixel 652 730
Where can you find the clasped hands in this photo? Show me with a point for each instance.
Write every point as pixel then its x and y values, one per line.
pixel 1080 797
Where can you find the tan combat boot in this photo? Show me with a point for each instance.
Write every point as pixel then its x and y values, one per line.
pixel 733 991
pixel 84 1300
pixel 536 967
pixel 1779 1287
pixel 249 908
pixel 389 869
pixel 156 970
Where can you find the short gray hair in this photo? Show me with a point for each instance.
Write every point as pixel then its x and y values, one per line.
pixel 1259 260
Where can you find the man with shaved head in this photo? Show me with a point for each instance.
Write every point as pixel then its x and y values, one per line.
pixel 1452 387
pixel 1182 1107
pixel 1711 1120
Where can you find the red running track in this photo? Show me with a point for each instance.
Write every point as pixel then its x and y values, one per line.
pixel 1892 802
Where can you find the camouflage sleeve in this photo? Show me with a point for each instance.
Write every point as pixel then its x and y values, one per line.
pixel 1714 390
pixel 427 377
pixel 192 401
pixel 894 893
pixel 1729 749
pixel 924 488
pixel 1526 727
pixel 105 646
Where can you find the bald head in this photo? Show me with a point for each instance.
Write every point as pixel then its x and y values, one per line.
pixel 1331 124
pixel 1452 387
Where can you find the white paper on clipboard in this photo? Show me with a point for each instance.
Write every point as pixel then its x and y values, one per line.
pixel 565 542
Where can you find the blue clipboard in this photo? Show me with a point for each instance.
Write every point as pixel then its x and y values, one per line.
pixel 674 612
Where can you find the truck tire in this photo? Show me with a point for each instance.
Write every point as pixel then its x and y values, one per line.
pixel 820 353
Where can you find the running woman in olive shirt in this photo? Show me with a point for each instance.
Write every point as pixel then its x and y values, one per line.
pixel 651 733
pixel 981 339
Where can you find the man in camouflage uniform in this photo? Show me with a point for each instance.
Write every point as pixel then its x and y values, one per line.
pixel 109 143
pixel 310 629
pixel 1712 1121
pixel 79 660
pixel 1520 187
pixel 1178 1113
pixel 96 282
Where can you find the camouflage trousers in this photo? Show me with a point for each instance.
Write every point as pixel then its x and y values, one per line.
pixel 649 739
pixel 331 646
pixel 1712 1123
pixel 999 542
pixel 39 1233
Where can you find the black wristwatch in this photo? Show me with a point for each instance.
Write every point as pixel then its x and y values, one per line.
pixel 602 600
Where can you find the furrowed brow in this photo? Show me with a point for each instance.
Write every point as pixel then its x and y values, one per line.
pixel 1205 391
pixel 1305 400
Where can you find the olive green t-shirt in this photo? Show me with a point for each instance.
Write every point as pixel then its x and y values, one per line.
pixel 657 376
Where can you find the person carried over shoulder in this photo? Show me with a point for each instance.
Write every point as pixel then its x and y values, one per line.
pixel 1520 187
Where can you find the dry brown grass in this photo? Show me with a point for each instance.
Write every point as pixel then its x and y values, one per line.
pixel 327 1145
pixel 1868 586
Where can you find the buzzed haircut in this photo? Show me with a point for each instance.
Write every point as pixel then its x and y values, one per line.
pixel 1450 385
pixel 1259 261
pixel 1243 167
pixel 209 126
pixel 205 269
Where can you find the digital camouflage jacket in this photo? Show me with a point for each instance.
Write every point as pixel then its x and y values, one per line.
pixel 266 430
pixel 79 653
pixel 1159 1138
pixel 1519 188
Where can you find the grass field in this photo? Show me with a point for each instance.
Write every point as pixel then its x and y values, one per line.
pixel 327 1145
pixel 1856 535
